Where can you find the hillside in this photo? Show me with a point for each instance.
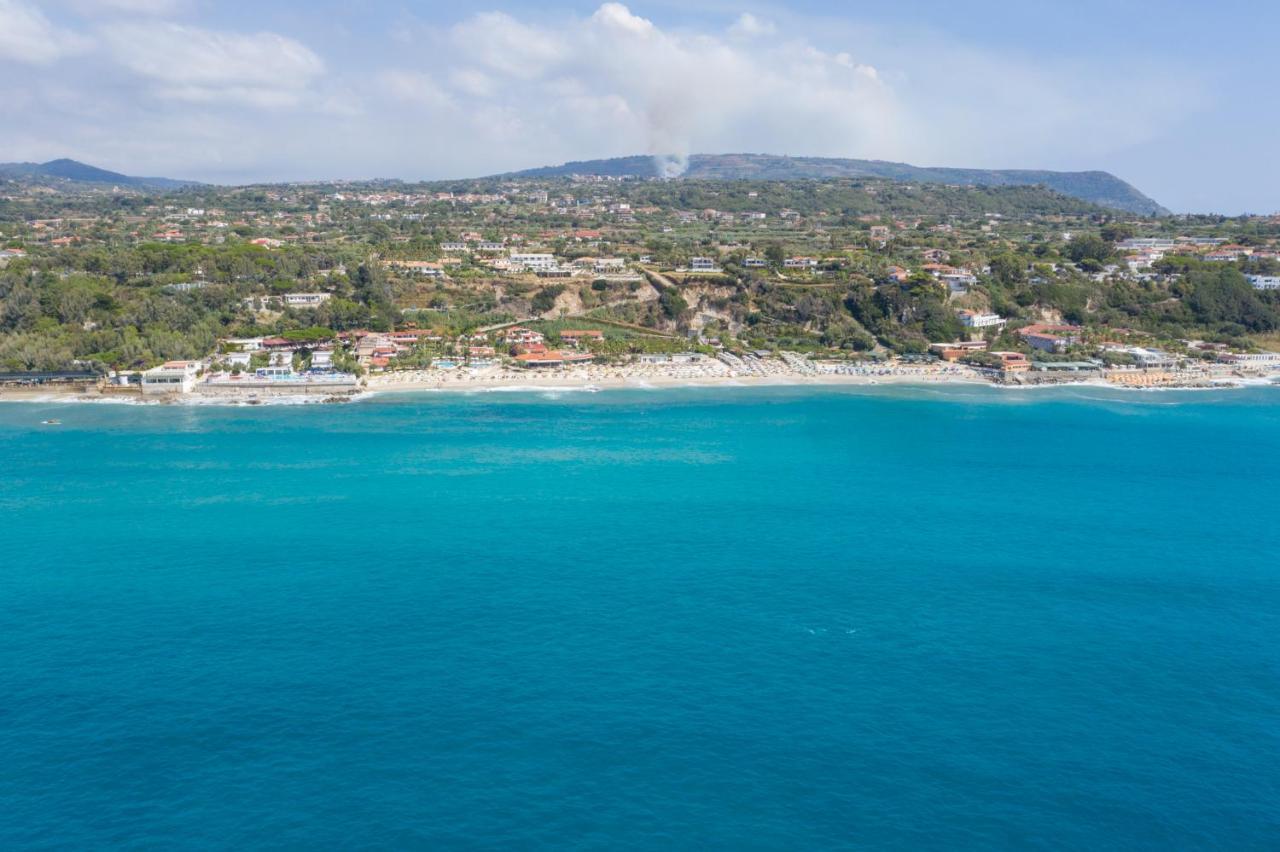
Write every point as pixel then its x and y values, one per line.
pixel 1099 188
pixel 66 171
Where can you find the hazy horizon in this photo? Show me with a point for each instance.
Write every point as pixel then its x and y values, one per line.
pixel 424 91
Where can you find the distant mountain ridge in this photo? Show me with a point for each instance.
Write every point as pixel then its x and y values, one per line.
pixel 1097 187
pixel 81 173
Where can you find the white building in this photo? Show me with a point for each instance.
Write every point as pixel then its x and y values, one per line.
pixel 170 377
pixel 1265 282
pixel 1251 359
pixel 533 261
pixel 973 319
pixel 425 268
pixel 305 300
pixel 958 282
pixel 1146 244
pixel 610 264
pixel 703 264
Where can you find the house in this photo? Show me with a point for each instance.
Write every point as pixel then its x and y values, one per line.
pixel 518 336
pixel 800 263
pixel 1141 244
pixel 1050 338
pixel 552 358
pixel 411 336
pixel 1013 362
pixel 305 300
pixel 973 319
pixel 576 337
pixel 1265 282
pixel 170 377
pixel 425 268
pixel 238 359
pixel 1144 357
pixel 703 264
pixel 1048 342
pixel 959 349
pixel 266 242
pixel 1251 359
pixel 609 264
pixel 322 360
pixel 1143 260
pixel 533 261
pixel 1228 253
pixel 754 262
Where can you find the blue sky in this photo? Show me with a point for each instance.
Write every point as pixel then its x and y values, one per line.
pixel 1177 98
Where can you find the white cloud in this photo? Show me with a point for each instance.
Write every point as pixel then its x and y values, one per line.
pixel 27 36
pixel 473 82
pixel 618 18
pixel 143 7
pixel 205 66
pixel 413 87
pixel 615 82
pixel 504 44
pixel 749 26
pixel 498 91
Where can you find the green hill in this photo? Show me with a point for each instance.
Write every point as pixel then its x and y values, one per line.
pixel 74 172
pixel 1096 187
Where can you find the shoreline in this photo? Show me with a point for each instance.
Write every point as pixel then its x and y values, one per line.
pixel 585 382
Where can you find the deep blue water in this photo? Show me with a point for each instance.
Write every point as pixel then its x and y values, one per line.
pixel 738 619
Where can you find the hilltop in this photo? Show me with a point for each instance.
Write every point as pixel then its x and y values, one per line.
pixel 1096 187
pixel 63 171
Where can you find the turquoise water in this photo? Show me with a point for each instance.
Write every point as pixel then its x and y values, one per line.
pixel 739 619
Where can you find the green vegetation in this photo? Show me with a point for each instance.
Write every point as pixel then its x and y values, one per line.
pixel 127 279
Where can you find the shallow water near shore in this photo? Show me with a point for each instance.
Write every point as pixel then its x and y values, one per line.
pixel 952 616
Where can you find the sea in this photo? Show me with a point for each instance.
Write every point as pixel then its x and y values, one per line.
pixel 860 618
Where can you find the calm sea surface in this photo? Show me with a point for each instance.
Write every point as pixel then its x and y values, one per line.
pixel 737 619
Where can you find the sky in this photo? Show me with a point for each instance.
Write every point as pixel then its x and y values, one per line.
pixel 1178 98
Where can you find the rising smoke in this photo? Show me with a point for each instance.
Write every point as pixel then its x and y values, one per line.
pixel 670 165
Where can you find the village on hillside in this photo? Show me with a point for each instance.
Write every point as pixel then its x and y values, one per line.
pixel 330 289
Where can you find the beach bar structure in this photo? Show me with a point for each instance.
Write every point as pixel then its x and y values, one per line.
pixel 170 377
pixel 48 378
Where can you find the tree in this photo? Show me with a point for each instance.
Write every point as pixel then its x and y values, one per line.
pixel 1009 268
pixel 1089 247
pixel 1118 232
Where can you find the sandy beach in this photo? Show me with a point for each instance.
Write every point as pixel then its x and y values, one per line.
pixel 764 373
pixel 595 377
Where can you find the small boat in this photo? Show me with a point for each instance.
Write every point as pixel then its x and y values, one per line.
pixel 50 422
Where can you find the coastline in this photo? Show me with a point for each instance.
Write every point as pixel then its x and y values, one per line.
pixel 591 380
